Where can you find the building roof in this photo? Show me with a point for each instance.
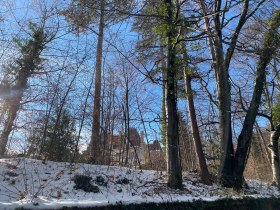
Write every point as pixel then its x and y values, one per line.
pixel 134 138
pixel 155 145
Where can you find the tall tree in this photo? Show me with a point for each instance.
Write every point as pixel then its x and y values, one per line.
pixel 174 173
pixel 151 47
pixel 232 164
pixel 95 138
pixel 270 45
pixel 205 176
pixel 25 66
pixel 166 21
pixel 274 144
pixel 82 13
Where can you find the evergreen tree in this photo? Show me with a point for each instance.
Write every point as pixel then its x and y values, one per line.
pixel 60 138
pixel 20 72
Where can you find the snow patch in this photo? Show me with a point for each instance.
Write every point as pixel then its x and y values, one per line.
pixel 31 184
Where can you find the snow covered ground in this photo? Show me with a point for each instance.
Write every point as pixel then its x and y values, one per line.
pixel 30 183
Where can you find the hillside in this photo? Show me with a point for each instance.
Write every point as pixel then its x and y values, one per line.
pixel 29 183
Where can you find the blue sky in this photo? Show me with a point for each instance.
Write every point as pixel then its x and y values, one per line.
pixel 68 49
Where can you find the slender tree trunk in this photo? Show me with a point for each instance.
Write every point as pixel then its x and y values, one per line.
pixel 95 138
pixel 174 172
pixel 46 125
pixel 127 129
pixel 60 110
pixel 209 35
pixel 112 124
pixel 48 113
pixel 76 148
pixel 224 106
pixel 205 176
pixel 102 130
pixel 108 122
pixel 163 122
pixel 221 62
pixel 121 149
pixel 8 124
pixel 263 144
pixel 274 152
pixel 145 131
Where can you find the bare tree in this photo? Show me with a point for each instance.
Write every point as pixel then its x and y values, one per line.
pixel 232 164
pixel 205 176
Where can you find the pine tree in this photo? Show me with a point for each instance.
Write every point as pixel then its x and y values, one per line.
pixel 60 137
pixel 82 14
pixel 25 66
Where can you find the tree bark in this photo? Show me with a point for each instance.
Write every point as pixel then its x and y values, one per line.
pixel 205 176
pixel 163 123
pixel 224 98
pixel 274 152
pixel 146 134
pixel 224 106
pixel 127 119
pixel 271 43
pixel 95 149
pixel 26 66
pixel 14 106
pixel 263 144
pixel 174 173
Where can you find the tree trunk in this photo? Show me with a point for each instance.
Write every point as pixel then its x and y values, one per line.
pixel 163 122
pixel 263 144
pixel 274 152
pixel 244 139
pixel 205 176
pixel 174 173
pixel 26 66
pixel 76 148
pixel 224 106
pixel 271 43
pixel 95 138
pixel 127 122
pixel 221 62
pixel 146 134
pixel 14 105
pixel 60 111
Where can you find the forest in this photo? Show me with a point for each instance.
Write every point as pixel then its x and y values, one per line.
pixel 167 86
